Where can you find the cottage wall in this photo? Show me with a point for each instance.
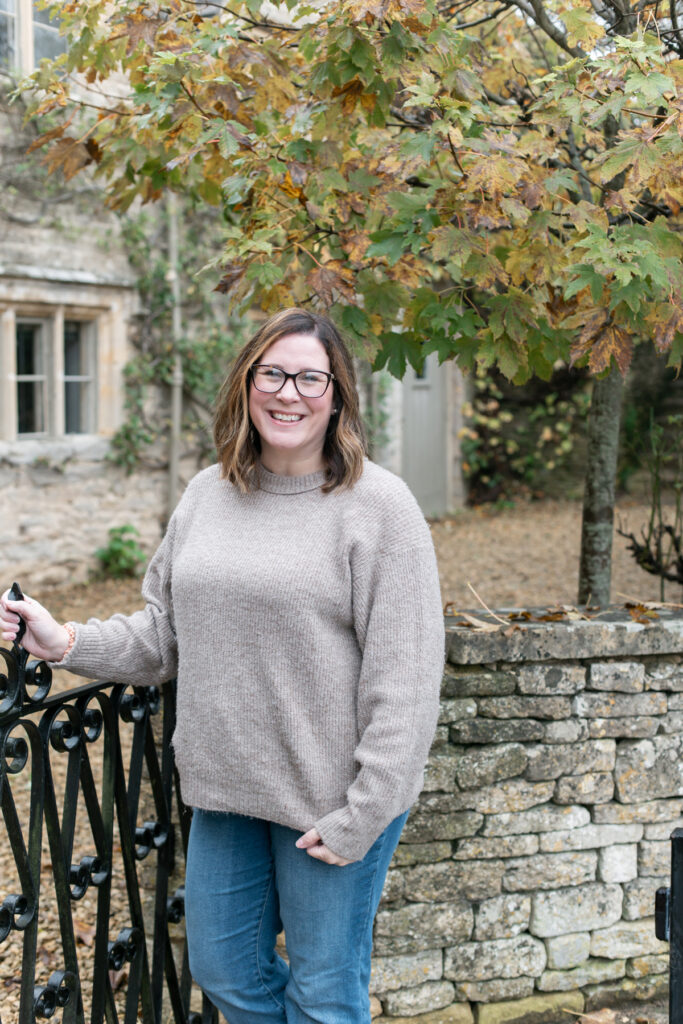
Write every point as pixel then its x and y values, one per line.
pixel 524 884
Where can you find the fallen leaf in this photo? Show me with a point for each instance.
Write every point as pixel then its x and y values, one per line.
pixel 85 933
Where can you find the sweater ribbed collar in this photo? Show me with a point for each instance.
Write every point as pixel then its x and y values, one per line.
pixel 274 483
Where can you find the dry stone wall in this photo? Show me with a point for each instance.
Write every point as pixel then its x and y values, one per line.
pixel 524 883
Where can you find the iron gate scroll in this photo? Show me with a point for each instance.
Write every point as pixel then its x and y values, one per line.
pixel 77 771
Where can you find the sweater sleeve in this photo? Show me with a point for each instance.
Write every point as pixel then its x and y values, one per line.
pixel 139 649
pixel 399 622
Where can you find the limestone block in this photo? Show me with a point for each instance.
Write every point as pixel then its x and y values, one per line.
pixel 480 847
pixel 578 908
pixel 455 1013
pixel 394 886
pixel 537 1009
pixel 623 676
pixel 671 724
pixel 569 730
pixel 597 705
pixel 627 939
pixel 474 880
pixel 512 795
pixel 434 995
pixel 494 991
pixel 390 973
pixel 502 917
pixel 420 853
pixel 642 966
pixel 647 769
pixel 479 730
pixel 589 837
pixel 441 737
pixel 647 813
pixel 618 863
pixel 567 951
pixel 540 819
pixel 497 958
pixel 487 765
pixel 654 858
pixel 549 762
pixel 591 972
pixel 421 926
pixel 676 702
pixel 623 728
pixel 375 1008
pixel 476 682
pixel 426 826
pixel 664 675
pixel 444 803
pixel 549 871
pixel 452 709
pixel 662 830
pixel 593 788
pixel 613 993
pixel 522 706
pixel 639 896
pixel 440 772
pixel 551 679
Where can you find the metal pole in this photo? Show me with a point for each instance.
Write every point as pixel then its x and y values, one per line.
pixel 173 277
pixel 676 930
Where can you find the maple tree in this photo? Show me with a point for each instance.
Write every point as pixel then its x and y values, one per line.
pixel 499 182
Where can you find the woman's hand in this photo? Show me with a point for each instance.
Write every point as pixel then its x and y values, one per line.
pixel 315 847
pixel 44 637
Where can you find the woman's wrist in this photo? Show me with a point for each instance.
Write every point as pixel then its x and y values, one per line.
pixel 70 639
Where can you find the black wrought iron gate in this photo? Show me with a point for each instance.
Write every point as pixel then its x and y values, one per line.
pixel 86 787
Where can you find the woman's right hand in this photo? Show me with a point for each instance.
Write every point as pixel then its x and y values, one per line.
pixel 44 637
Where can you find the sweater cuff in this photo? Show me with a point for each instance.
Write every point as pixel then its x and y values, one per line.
pixel 343 836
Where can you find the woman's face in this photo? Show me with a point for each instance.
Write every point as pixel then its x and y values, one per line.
pixel 292 428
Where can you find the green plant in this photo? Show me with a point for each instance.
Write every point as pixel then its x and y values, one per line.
pixel 122 556
pixel 510 446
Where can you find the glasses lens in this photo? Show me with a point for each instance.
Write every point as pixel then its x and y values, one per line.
pixel 311 383
pixel 268 378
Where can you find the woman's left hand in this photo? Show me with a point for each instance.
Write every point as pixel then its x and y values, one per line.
pixel 315 847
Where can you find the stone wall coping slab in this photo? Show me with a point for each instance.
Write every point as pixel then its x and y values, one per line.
pixel 608 634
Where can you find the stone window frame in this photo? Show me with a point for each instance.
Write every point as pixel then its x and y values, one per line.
pixel 28 25
pixel 106 311
pixel 53 406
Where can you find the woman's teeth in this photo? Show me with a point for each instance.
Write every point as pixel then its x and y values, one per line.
pixel 285 418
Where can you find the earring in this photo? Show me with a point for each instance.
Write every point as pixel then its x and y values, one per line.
pixel 335 411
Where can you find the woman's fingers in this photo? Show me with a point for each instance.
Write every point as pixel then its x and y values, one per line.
pixel 314 847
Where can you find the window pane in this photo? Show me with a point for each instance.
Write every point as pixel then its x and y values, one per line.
pixel 7 58
pixel 74 363
pixel 42 15
pixel 8 5
pixel 29 349
pixel 46 43
pixel 78 362
pixel 30 407
pixel 74 395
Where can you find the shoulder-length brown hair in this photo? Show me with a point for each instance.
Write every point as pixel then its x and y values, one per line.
pixel 237 442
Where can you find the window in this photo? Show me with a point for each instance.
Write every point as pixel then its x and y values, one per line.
pixel 55 377
pixel 27 35
pixel 31 378
pixel 79 378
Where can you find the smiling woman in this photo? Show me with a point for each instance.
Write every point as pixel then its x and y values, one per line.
pixel 296 597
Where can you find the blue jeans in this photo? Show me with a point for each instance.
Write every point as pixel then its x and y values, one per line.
pixel 245 881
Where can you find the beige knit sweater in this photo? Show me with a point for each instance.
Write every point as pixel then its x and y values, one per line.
pixel 306 632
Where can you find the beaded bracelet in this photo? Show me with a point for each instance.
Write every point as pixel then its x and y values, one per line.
pixel 71 630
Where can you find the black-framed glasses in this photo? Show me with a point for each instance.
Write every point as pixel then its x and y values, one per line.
pixel 309 383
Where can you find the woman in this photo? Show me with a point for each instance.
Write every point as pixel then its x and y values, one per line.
pixel 295 596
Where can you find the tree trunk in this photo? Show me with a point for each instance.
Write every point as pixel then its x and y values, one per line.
pixel 598 499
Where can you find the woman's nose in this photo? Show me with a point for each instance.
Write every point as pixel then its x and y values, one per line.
pixel 288 390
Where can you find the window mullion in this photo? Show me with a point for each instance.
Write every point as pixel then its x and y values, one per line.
pixel 56 373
